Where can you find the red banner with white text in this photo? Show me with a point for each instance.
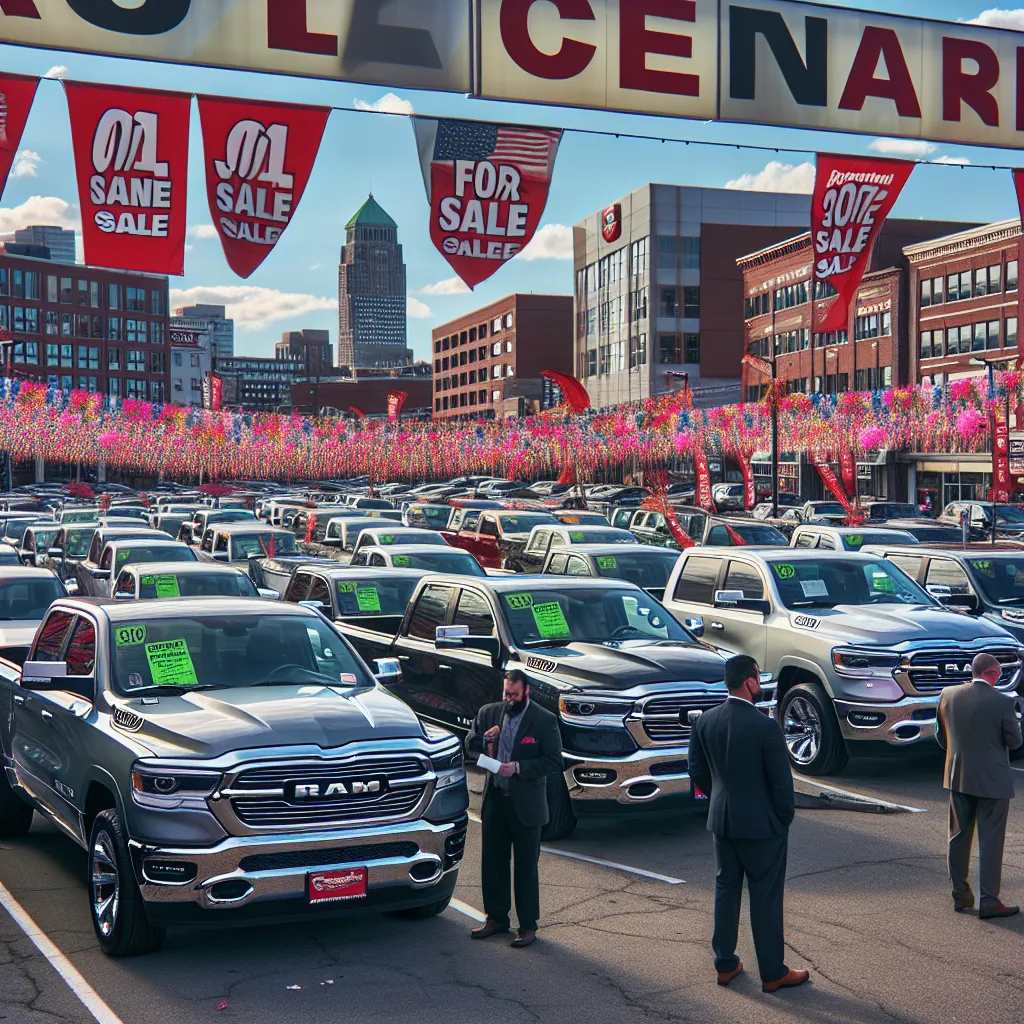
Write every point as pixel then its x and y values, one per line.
pixel 396 402
pixel 488 186
pixel 258 157
pixel 703 498
pixel 1018 183
pixel 852 197
pixel 131 157
pixel 17 93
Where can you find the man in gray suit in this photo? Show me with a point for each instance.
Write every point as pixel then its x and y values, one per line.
pixel 738 757
pixel 977 727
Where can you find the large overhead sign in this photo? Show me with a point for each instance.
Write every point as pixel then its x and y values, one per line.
pixel 772 62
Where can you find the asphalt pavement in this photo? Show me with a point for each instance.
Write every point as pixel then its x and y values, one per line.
pixel 868 912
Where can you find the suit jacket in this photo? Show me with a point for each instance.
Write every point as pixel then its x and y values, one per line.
pixel 537 759
pixel 977 727
pixel 738 757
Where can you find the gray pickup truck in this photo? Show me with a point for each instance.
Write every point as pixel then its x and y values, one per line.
pixel 860 651
pixel 226 760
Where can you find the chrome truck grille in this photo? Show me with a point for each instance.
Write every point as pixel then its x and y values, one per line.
pixel 931 671
pixel 667 719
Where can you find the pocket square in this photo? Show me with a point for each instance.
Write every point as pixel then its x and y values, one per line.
pixel 527 739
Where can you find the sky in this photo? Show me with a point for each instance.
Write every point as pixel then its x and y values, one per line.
pixel 364 151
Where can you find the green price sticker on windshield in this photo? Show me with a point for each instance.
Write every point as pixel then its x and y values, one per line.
pixel 986 566
pixel 519 601
pixel 882 582
pixel 577 537
pixel 129 636
pixel 170 664
pixel 550 621
pixel 607 562
pixel 401 560
pixel 122 557
pixel 855 541
pixel 368 599
pixel 167 586
pixel 347 587
pixel 784 571
pixel 388 538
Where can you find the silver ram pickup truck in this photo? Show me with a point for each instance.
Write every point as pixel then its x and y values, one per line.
pixel 226 760
pixel 860 651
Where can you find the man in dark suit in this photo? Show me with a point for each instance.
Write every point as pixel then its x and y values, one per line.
pixel 738 757
pixel 978 727
pixel 524 737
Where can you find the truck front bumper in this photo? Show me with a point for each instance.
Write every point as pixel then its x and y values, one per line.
pixel 408 865
pixel 909 721
pixel 641 777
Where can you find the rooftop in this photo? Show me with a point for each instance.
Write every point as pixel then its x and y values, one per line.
pixel 371 214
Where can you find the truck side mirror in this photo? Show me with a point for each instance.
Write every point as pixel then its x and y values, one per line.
pixel 695 624
pixel 389 670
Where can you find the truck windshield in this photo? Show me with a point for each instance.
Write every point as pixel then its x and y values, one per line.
pixel 523 523
pixel 588 615
pixel 647 569
pixel 357 599
pixel 84 516
pixel 229 652
pixel 149 553
pixel 831 582
pixel 433 516
pixel 195 584
pixel 260 544
pixel 78 541
pixel 855 541
pixel 1000 577
pixel 27 600
pixel 609 536
pixel 460 562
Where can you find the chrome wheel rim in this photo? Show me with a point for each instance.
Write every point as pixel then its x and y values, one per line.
pixel 106 888
pixel 802 728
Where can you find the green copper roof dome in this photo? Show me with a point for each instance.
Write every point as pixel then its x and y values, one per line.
pixel 371 214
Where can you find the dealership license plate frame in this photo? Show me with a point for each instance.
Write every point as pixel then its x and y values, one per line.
pixel 356 889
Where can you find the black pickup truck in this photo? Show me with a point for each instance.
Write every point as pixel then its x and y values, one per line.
pixel 624 678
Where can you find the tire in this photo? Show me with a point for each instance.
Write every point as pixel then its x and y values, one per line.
pixel 115 903
pixel 15 814
pixel 425 912
pixel 809 724
pixel 562 819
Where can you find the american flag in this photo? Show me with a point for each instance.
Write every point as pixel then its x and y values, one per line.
pixel 532 150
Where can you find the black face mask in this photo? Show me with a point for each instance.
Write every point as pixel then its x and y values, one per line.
pixel 757 695
pixel 514 707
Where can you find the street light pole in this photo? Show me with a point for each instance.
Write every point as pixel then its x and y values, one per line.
pixel 774 398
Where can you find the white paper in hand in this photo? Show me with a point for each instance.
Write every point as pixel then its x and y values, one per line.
pixel 489 764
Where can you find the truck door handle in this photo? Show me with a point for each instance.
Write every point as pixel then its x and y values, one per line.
pixel 47 716
pixel 717 625
pixel 19 698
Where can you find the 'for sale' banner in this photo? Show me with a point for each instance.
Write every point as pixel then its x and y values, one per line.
pixel 16 95
pixel 258 160
pixel 488 186
pixel 852 197
pixel 131 156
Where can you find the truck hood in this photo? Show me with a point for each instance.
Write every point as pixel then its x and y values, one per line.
pixel 624 664
pixel 214 722
pixel 17 634
pixel 897 624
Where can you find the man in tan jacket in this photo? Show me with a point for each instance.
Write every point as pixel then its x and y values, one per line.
pixel 977 727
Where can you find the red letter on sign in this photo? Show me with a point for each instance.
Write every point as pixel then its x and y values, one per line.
pixel 974 90
pixel 571 60
pixel 286 30
pixel 899 87
pixel 19 8
pixel 637 42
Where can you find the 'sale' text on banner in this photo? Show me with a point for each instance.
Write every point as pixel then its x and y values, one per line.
pixel 488 186
pixel 703 474
pixel 852 197
pixel 258 160
pixel 131 157
pixel 16 95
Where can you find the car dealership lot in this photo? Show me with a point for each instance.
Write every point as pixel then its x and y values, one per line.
pixel 868 913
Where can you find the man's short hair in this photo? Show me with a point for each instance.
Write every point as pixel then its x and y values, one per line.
pixel 985 664
pixel 738 670
pixel 513 675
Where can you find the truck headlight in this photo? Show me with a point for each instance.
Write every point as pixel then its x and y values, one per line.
pixel 449 766
pixel 584 710
pixel 172 788
pixel 859 661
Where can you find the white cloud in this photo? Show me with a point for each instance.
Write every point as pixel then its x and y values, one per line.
pixel 777 177
pixel 26 164
pixel 202 231
pixel 903 147
pixel 316 266
pixel 387 104
pixel 40 210
pixel 961 161
pixel 449 286
pixel 57 71
pixel 996 17
pixel 417 310
pixel 552 242
pixel 253 308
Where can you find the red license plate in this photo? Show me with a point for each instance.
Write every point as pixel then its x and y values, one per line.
pixel 699 794
pixel 335 886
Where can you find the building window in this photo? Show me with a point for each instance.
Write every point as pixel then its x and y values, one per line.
pixel 113 359
pixel 26 352
pixel 52 289
pixel 668 349
pixel 437 346
pixel 66 352
pixel 135 331
pixel 886 324
pixel 158 307
pixel 691 343
pixel 638 351
pixel 113 386
pixel 88 357
pixel 194 360
pixel 926 345
pixel 1011 276
pixel 992 334
pixel 135 299
pixel 156 363
pixel 136 361
pixel 483 331
pixel 114 296
pixel 82 293
pixel 508 346
pixel 66 291
pixel 1010 339
pixel 508 321
pixel 691 302
pixel 53 355
pixel 94 294
pixel 926 292
pixel 510 371
pixel 437 404
pixel 156 332
pixel 668 303
pixel 496 325
pixel 639 258
pixel 495 396
pixel 481 396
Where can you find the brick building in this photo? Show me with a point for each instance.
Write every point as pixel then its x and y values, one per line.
pixel 89 328
pixel 258 385
pixel 367 395
pixel 309 347
pixel 514 339
pixel 873 351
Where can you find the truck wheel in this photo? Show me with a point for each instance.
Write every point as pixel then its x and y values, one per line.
pixel 424 912
pixel 809 725
pixel 115 903
pixel 562 818
pixel 15 814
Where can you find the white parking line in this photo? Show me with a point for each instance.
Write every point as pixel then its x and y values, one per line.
pixel 60 963
pixel 614 865
pixel 859 796
pixel 465 908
